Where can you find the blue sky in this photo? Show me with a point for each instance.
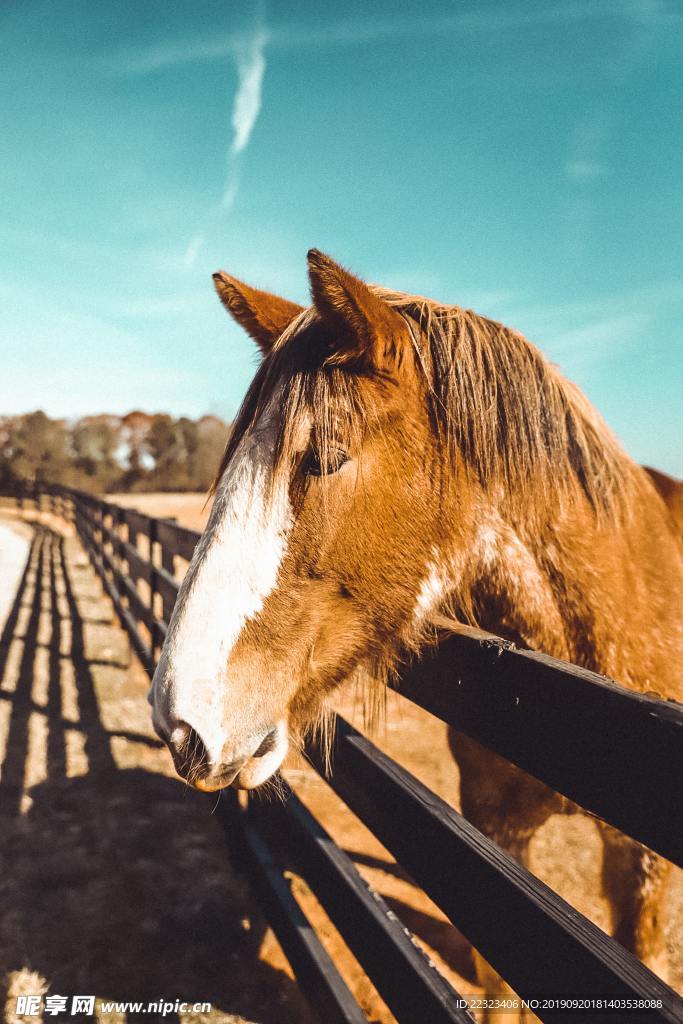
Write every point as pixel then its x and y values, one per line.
pixel 519 157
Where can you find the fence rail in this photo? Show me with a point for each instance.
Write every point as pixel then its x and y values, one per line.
pixel 546 716
pixel 609 749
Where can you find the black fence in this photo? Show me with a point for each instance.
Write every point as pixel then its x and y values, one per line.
pixel 546 716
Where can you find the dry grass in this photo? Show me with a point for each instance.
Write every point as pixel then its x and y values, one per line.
pixel 114 879
pixel 195 897
pixel 191 510
pixel 566 849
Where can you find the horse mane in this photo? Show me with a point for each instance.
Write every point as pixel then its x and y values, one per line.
pixel 514 420
pixel 498 406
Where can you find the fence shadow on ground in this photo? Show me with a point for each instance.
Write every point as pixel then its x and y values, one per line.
pixel 112 882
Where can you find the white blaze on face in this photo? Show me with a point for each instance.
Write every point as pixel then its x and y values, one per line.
pixel 234 568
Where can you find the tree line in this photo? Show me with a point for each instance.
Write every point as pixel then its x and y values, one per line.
pixel 136 452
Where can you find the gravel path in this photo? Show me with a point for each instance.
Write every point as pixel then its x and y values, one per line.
pixel 14 549
pixel 113 876
pixel 114 879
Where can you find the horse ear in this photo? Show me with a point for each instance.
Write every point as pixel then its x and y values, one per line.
pixel 369 333
pixel 262 315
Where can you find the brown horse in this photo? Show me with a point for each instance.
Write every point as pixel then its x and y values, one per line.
pixel 397 459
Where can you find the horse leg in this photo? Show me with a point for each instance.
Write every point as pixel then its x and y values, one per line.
pixel 635 883
pixel 508 806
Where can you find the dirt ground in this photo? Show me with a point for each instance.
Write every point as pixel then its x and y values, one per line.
pixel 191 510
pixel 567 850
pixel 121 884
pixel 114 879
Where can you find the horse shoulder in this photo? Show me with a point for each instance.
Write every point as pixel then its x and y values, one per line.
pixel 670 491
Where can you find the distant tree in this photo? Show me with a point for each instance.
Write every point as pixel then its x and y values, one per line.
pixel 94 444
pixel 134 429
pixel 212 435
pixel 37 450
pixel 161 446
pixel 102 453
pixel 185 452
pixel 187 439
pixel 7 427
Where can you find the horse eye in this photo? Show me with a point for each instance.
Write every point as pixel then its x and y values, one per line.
pixel 318 464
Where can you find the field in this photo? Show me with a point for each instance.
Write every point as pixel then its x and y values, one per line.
pixel 113 874
pixel 190 510
pixel 405 728
pixel 568 848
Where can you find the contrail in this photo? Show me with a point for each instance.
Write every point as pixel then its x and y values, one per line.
pixel 192 250
pixel 248 53
pixel 251 66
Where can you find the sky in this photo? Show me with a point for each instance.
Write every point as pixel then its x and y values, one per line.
pixel 521 158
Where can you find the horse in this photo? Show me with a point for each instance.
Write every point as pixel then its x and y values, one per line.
pixel 397 460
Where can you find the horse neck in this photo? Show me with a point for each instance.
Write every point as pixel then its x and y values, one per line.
pixel 596 589
pixel 512 591
pixel 526 573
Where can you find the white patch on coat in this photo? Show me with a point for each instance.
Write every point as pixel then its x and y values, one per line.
pixel 431 592
pixel 487 543
pixel 444 575
pixel 501 550
pixel 497 549
pixel 234 569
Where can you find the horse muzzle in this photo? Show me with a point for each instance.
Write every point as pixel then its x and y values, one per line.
pixel 263 756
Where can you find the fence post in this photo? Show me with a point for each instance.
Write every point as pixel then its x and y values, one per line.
pixel 156 638
pixel 118 525
pixel 168 557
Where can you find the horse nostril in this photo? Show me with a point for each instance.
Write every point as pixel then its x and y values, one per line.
pixel 178 737
pixel 267 744
pixel 187 748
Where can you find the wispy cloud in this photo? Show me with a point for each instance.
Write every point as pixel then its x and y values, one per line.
pixel 655 12
pixel 248 53
pixel 585 170
pixel 587 146
pixel 369 30
pixel 580 335
pixel 232 185
pixel 586 164
pixel 192 251
pixel 251 67
pixel 597 339
pixel 250 59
